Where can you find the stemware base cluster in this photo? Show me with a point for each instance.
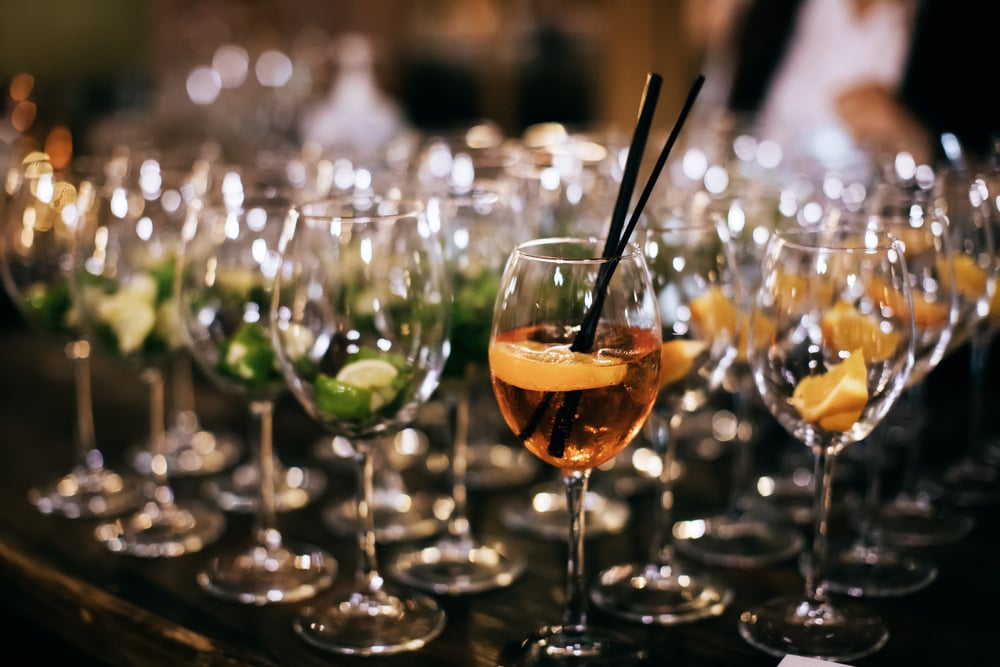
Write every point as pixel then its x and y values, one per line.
pixel 239 491
pixel 160 530
pixel 568 645
pixel 88 493
pixel 262 576
pixel 658 594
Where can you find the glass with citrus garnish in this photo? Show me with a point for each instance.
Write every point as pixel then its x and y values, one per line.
pixel 829 387
pixel 871 566
pixel 227 265
pixel 695 279
pixel 360 320
pixel 125 280
pixel 574 360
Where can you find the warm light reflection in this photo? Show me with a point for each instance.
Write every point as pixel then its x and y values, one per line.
pixel 21 86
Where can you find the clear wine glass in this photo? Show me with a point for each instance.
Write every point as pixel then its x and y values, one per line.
pixel 696 282
pixel 743 535
pixel 228 186
pixel 870 566
pixel 41 216
pixel 974 479
pixel 830 357
pixel 125 280
pixel 574 361
pixel 479 231
pixel 913 516
pixel 226 269
pixel 360 318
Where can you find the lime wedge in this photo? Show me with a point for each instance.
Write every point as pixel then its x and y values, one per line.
pixel 368 374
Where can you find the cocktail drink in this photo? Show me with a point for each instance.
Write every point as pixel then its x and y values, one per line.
pixel 575 364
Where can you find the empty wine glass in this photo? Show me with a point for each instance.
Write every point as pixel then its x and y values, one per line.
pixel 479 230
pixel 831 348
pixel 39 227
pixel 360 319
pixel 695 280
pixel 125 279
pixel 574 361
pixel 226 270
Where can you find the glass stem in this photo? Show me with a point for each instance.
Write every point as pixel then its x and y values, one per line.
pixel 153 378
pixel 979 351
pixel 266 531
pixel 823 477
pixel 459 527
pixel 575 615
pixel 88 456
pixel 743 457
pixel 661 547
pixel 367 564
pixel 185 416
pixel 869 534
pixel 911 465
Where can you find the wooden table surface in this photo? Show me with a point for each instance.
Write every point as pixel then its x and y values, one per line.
pixel 67 598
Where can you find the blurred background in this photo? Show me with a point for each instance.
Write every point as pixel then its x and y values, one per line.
pixel 258 68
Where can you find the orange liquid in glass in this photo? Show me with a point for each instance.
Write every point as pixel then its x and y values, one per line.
pixel 575 410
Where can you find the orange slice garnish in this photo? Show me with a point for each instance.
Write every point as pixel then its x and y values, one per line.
pixel 538 367
pixel 676 359
pixel 834 400
pixel 845 328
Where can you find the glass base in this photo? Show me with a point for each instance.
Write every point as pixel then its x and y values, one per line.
pixel 455 567
pixel 870 571
pixel 88 493
pixel 658 594
pixel 191 453
pixel 968 483
pixel 239 491
pixel 398 451
pixel 558 645
pixel 157 531
pixel 916 523
pixel 399 516
pixel 543 513
pixel 262 576
pixel 791 625
pixel 738 542
pixel 371 623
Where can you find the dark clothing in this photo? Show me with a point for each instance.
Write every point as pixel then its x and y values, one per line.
pixel 949 78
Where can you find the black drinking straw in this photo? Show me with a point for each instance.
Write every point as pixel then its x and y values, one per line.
pixel 612 250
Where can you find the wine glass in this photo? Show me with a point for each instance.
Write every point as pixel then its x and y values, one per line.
pixel 831 348
pixel 125 279
pixel 913 516
pixel 567 181
pixel 226 270
pixel 870 566
pixel 479 230
pixel 41 216
pixel 740 536
pixel 229 186
pixel 695 280
pixel 360 327
pixel 574 361
pixel 974 479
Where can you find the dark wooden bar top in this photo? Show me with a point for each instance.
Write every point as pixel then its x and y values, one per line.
pixel 64 597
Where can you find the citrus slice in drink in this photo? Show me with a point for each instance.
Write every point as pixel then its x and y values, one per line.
pixel 970 278
pixel 359 389
pixel 834 400
pixel 676 359
pixel 538 367
pixel 368 373
pixel 845 328
pixel 712 310
pixel 926 314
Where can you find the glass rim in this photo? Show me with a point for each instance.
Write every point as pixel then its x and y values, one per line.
pixel 525 249
pixel 800 238
pixel 332 209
